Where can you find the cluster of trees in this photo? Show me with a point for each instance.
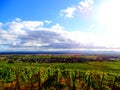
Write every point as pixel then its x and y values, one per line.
pixel 58 58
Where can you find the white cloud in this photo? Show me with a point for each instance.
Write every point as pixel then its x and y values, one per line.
pixel 26 24
pixel 48 21
pixel 20 27
pixel 18 19
pixel 85 5
pixel 1 25
pixel 68 13
pixel 57 27
pixel 6 38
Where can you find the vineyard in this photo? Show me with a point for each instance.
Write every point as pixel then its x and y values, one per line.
pixel 59 76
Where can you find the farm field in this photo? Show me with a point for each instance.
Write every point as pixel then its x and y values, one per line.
pixel 27 72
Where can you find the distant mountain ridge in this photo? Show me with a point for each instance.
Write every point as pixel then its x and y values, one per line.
pixel 62 52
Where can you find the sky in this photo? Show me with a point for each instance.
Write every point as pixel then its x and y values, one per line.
pixel 50 25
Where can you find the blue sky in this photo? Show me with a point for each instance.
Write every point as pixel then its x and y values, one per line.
pixel 32 9
pixel 35 25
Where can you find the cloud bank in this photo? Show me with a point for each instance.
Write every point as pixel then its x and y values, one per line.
pixel 32 35
pixel 19 35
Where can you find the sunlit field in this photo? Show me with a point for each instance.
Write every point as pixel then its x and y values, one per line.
pixel 90 74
